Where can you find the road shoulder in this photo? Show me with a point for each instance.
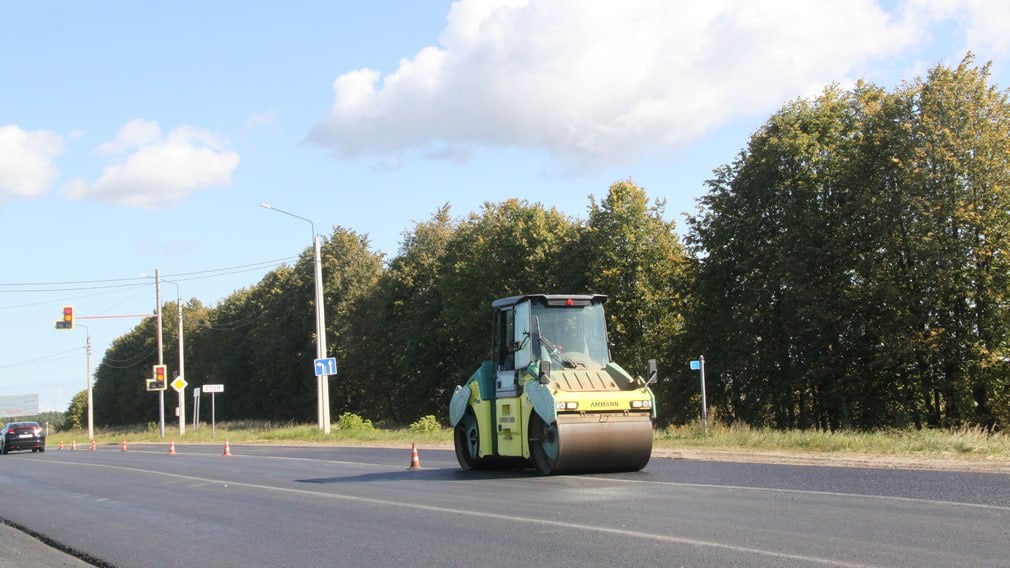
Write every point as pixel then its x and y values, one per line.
pixel 981 465
pixel 22 550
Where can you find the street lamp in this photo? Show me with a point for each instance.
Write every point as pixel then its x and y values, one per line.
pixel 182 367
pixel 322 383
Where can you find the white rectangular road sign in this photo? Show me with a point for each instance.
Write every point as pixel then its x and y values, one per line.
pixel 213 388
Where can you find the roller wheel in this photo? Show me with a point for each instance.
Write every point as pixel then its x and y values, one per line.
pixel 467 438
pixel 543 445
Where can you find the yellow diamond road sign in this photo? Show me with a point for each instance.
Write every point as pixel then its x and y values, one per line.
pixel 179 384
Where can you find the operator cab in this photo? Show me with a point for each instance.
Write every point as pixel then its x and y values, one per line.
pixel 569 331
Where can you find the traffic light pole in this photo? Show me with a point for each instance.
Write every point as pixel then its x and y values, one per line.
pixel 68 322
pixel 161 350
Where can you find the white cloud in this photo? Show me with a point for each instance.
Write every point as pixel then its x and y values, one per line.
pixel 985 23
pixel 264 118
pixel 606 81
pixel 155 170
pixel 26 161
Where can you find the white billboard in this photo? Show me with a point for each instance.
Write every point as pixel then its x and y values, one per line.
pixel 19 405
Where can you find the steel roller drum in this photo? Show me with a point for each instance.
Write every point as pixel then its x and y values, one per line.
pixel 593 443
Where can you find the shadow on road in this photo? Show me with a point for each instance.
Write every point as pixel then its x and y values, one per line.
pixel 451 474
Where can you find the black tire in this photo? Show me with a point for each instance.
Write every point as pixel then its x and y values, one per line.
pixel 543 439
pixel 466 436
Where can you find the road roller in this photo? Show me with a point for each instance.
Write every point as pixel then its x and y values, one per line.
pixel 550 396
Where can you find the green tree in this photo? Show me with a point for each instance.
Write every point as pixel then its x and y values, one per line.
pixel 120 389
pixel 511 248
pixel 631 253
pixel 352 273
pixel 402 328
pixel 76 415
pixel 851 260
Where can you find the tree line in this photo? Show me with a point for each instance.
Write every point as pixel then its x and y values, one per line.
pixel 848 269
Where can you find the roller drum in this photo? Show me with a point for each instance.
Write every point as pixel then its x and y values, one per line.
pixel 592 443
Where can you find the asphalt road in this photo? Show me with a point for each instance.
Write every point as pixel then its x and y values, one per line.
pixel 330 506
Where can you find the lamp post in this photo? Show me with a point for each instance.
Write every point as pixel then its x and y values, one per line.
pixel 322 383
pixel 182 365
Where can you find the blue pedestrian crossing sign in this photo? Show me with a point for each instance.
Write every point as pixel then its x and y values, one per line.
pixel 326 366
pixel 696 365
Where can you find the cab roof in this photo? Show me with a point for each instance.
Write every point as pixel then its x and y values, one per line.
pixel 559 300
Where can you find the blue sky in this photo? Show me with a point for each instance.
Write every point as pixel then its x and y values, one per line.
pixel 137 136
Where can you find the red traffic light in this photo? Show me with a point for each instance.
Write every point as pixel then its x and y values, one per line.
pixel 159 380
pixel 67 321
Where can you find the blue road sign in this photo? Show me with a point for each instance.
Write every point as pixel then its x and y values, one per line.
pixel 696 365
pixel 326 366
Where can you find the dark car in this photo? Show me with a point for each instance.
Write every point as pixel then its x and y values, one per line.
pixel 22 436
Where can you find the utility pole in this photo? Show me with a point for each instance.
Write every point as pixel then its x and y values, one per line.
pixel 91 396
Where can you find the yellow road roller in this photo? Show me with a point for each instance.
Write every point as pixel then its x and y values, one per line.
pixel 551 396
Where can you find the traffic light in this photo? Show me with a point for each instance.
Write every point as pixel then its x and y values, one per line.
pixel 160 381
pixel 67 321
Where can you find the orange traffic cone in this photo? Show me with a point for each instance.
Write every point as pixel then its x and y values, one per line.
pixel 122 447
pixel 227 448
pixel 415 462
pixel 171 448
pixel 61 444
pixel 92 445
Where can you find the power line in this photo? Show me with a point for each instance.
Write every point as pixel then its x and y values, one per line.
pixel 131 361
pixel 67 287
pixel 240 268
pixel 44 359
pixel 113 283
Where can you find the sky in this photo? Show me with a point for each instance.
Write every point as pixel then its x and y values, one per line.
pixel 144 136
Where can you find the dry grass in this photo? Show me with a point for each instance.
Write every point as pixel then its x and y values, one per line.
pixel 961 443
pixel 964 442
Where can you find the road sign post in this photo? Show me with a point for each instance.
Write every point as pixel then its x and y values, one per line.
pixel 196 408
pixel 699 365
pixel 213 390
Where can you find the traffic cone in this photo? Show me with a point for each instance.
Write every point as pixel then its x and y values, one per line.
pixel 227 448
pixel 171 448
pixel 415 462
pixel 122 447
pixel 73 445
pixel 92 445
pixel 61 444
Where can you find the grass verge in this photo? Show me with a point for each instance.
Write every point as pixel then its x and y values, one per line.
pixel 960 443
